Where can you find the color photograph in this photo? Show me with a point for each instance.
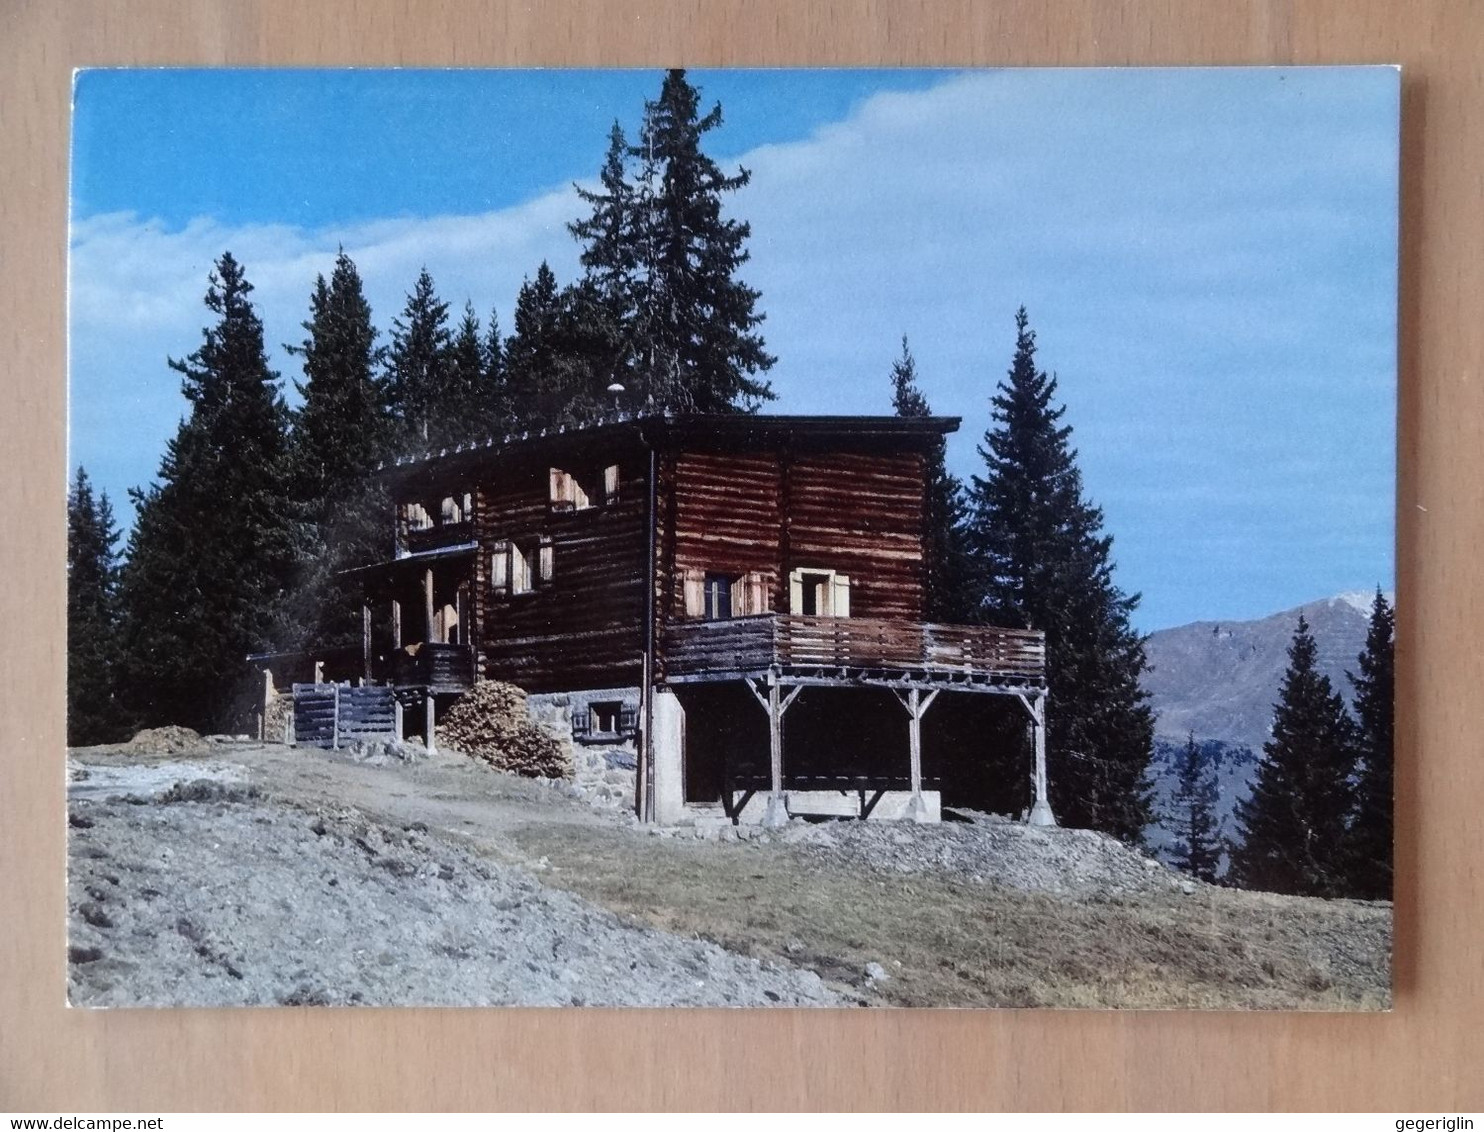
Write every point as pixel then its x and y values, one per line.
pixel 756 538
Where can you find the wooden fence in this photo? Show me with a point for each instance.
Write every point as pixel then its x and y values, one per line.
pixel 334 715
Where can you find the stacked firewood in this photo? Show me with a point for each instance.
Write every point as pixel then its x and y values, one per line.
pixel 490 722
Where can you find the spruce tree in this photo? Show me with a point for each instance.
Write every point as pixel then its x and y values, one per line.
pixel 341 433
pixel 93 712
pixel 466 396
pixel 663 263
pixel 217 540
pixel 417 369
pixel 532 373
pixel 1041 561
pixel 949 589
pixel 1370 849
pixel 1293 823
pixel 615 243
pixel 1193 815
pixel 494 409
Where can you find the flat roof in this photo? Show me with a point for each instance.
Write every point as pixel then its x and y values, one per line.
pixel 660 427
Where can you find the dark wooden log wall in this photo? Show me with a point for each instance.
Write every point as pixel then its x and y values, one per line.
pixel 583 629
pixel 856 513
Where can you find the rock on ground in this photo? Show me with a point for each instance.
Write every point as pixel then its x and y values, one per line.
pixel 212 895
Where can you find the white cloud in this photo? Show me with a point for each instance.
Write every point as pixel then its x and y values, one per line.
pixel 1225 258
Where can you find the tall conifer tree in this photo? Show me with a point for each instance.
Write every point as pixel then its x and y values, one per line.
pixel 93 712
pixel 1375 712
pixel 466 396
pixel 218 540
pixel 1043 562
pixel 1294 822
pixel 532 378
pixel 950 595
pixel 1193 817
pixel 663 262
pixel 341 433
pixel 417 372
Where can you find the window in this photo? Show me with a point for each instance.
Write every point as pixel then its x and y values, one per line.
pixel 520 571
pixel 571 492
pixel 717 597
pixel 605 721
pixel 818 593
pixel 417 517
pixel 578 491
pixel 516 569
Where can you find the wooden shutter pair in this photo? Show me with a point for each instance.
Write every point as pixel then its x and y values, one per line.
pixel 835 599
pixel 510 567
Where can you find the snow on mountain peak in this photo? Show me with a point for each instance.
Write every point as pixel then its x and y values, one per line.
pixel 1361 600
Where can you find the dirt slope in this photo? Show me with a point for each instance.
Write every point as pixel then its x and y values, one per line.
pixel 440 880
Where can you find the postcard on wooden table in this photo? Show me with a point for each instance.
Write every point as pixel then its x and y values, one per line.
pixel 750 538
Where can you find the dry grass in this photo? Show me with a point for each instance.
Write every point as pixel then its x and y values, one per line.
pixel 951 942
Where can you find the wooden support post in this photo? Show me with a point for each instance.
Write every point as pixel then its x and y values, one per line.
pixel 335 719
pixel 429 722
pixel 775 703
pixel 1040 812
pixel 269 692
pixel 428 605
pixel 366 641
pixel 319 672
pixel 396 624
pixel 916 704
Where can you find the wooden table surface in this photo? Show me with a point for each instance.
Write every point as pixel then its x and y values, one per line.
pixel 1425 1056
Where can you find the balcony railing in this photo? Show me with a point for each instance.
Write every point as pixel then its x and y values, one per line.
pixel 742 645
pixel 441 667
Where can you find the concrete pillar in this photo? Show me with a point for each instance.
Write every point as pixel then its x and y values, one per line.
pixel 1041 808
pixel 667 751
pixel 429 712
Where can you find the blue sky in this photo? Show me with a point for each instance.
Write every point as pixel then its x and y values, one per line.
pixel 1208 259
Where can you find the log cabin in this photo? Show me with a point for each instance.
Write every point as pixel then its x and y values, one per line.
pixel 732 606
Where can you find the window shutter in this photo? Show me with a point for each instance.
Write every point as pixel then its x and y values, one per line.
pixel 840 595
pixel 739 597
pixel 500 568
pixel 755 594
pixel 520 571
pixel 796 591
pixel 610 484
pixel 694 585
pixel 547 567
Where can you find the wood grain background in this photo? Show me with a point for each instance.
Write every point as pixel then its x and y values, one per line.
pixel 1426 1055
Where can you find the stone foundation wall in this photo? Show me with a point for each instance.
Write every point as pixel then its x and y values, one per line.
pixel 603 768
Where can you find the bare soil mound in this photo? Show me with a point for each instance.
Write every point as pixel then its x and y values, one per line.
pixel 169 740
pixel 209 895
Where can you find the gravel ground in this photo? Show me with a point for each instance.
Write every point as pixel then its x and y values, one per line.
pixel 1060 862
pixel 213 895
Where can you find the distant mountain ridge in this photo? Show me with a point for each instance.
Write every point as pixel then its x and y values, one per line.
pixel 1220 679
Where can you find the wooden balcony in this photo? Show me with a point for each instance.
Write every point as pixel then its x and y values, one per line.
pixel 858 649
pixel 437 667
